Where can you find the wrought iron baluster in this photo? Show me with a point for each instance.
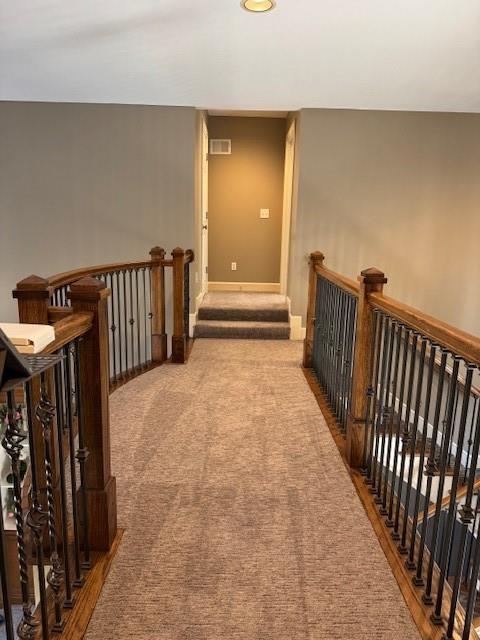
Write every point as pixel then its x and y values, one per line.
pixel 68 603
pixel 125 320
pixel 405 438
pixel 139 326
pixel 132 322
pixel 371 394
pixel 150 312
pixel 413 447
pixel 383 412
pixel 69 362
pixel 144 298
pixel 436 616
pixel 81 456
pixel 410 563
pixel 466 518
pixel 377 411
pixel 119 321
pixel 4 582
pixel 390 412
pixel 12 442
pixel 430 471
pixel 45 412
pixel 186 298
pixel 404 338
pixel 470 437
pixel 37 517
pixel 113 327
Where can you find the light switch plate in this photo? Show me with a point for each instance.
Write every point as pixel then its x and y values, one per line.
pixel 234 266
pixel 264 213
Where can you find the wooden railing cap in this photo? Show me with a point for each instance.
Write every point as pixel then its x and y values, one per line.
pixel 33 286
pixel 372 275
pixel 157 253
pixel 317 257
pixel 88 287
pixel 178 251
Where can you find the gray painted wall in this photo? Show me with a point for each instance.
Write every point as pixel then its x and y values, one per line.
pixel 395 190
pixel 86 184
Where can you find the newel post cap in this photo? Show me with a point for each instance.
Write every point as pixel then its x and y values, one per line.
pixel 33 286
pixel 373 276
pixel 157 253
pixel 178 251
pixel 317 257
pixel 88 288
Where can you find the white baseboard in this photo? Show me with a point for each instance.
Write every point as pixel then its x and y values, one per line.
pixel 297 332
pixel 261 287
pixel 199 299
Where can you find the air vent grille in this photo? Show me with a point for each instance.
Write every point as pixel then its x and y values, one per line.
pixel 220 147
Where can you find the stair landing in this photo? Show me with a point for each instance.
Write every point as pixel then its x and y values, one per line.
pixel 243 315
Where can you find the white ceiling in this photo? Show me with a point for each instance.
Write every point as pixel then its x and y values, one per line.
pixel 383 54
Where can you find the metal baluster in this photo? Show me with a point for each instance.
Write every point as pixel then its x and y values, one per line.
pixel 37 517
pixel 186 299
pixel 68 603
pixel 436 616
pixel 12 442
pixel 119 319
pixel 470 437
pixel 340 342
pixel 113 328
pixel 384 411
pixel 145 359
pixel 405 436
pixel 345 363
pixel 403 341
pixel 378 405
pixel 472 593
pixel 410 563
pixel 132 322
pixel 371 394
pixel 466 516
pixel 125 322
pixel 413 448
pixel 319 329
pixel 442 464
pixel 150 313
pixel 45 412
pixel 391 413
pixel 78 580
pixel 5 592
pixel 139 327
pixel 81 456
pixel 430 470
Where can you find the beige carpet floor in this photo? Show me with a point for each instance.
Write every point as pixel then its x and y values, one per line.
pixel 241 521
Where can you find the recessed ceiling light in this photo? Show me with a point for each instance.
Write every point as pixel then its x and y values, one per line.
pixel 258 6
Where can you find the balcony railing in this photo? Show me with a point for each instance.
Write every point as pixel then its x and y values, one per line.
pixel 403 388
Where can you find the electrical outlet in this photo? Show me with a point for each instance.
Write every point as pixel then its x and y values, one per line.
pixel 234 266
pixel 264 213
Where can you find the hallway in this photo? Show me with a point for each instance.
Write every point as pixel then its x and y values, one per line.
pixel 241 521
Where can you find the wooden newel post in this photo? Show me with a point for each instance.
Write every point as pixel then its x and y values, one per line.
pixel 316 259
pixel 370 280
pixel 179 339
pixel 33 295
pixel 90 294
pixel 159 336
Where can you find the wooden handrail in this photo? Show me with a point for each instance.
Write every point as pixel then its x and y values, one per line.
pixel 336 278
pixel 459 342
pixel 67 277
pixel 69 328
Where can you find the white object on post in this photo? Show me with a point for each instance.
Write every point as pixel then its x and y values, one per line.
pixel 28 338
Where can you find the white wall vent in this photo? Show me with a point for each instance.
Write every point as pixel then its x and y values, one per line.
pixel 220 147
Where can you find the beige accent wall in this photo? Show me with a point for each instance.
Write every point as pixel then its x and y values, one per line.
pixel 240 185
pixel 86 184
pixel 395 190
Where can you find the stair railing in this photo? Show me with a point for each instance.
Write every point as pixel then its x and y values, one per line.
pixel 136 308
pixel 56 438
pixel 403 388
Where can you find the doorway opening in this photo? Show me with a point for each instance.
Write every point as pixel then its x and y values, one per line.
pixel 247 186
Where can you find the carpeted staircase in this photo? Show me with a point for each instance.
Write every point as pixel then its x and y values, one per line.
pixel 243 315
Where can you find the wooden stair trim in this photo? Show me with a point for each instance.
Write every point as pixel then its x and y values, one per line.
pixel 86 598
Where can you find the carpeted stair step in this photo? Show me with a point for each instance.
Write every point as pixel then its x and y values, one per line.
pixel 242 329
pixel 251 307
